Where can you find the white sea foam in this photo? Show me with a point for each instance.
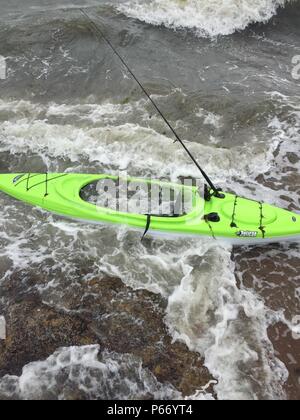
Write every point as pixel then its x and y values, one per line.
pixel 206 310
pixel 126 146
pixel 81 372
pixel 213 316
pixel 207 17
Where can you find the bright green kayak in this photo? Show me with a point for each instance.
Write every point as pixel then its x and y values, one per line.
pixel 235 219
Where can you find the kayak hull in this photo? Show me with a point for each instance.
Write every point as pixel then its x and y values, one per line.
pixel 292 239
pixel 231 219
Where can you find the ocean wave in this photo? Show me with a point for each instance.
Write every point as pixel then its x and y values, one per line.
pixel 47 131
pixel 80 371
pixel 207 17
pixel 206 310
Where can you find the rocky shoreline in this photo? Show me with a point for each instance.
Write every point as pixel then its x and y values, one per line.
pixel 110 314
pixel 271 284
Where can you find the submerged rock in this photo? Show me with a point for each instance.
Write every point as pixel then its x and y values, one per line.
pixel 105 312
pixel 274 278
pixel 34 331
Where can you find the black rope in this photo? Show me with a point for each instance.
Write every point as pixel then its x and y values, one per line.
pixel 26 179
pixel 46 193
pixel 147 226
pixel 233 224
pixel 261 227
pixel 102 35
pixel 48 180
pixel 27 182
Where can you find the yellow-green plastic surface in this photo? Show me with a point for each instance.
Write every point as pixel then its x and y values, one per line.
pixel 240 218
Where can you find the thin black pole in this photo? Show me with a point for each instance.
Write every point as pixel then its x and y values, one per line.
pixel 102 35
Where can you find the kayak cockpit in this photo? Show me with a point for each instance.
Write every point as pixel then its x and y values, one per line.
pixel 140 197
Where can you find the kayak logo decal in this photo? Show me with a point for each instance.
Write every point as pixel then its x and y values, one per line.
pixel 247 234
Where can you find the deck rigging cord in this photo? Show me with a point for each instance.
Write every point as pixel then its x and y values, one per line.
pixel 100 33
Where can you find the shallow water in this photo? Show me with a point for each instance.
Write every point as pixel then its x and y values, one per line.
pixel 223 76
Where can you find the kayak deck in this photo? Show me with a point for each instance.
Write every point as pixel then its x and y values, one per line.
pixel 233 218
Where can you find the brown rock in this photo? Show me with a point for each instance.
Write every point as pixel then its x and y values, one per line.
pixel 99 311
pixel 35 331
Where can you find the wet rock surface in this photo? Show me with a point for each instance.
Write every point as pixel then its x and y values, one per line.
pixel 34 331
pixel 98 311
pixel 272 273
pixel 287 349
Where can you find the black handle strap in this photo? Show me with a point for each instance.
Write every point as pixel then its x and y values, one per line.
pixel 147 226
